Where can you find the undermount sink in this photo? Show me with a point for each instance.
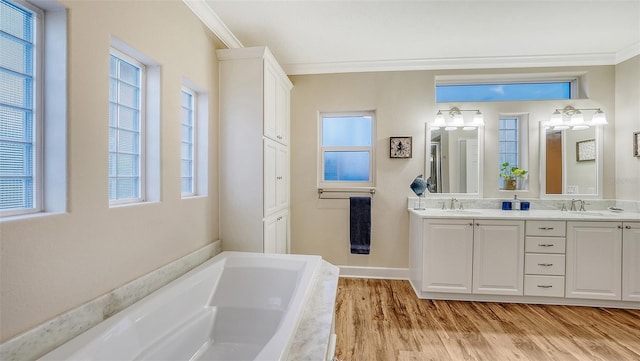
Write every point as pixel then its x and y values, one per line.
pixel 596 213
pixel 462 211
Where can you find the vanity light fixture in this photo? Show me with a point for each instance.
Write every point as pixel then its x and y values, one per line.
pixel 455 119
pixel 571 117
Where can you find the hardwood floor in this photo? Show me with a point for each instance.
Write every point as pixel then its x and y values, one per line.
pixel 383 320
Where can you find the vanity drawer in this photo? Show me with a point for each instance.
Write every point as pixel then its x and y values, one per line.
pixel 546 228
pixel 545 244
pixel 544 264
pixel 550 286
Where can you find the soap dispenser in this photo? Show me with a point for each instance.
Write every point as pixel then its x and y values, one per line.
pixel 515 204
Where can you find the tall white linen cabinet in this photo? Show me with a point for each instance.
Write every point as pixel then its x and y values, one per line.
pixel 254 151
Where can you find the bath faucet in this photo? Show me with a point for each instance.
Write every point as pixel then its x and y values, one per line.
pixel 573 204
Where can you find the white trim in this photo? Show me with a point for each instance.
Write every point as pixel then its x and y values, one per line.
pixel 453 63
pixel 507 78
pixel 204 12
pixel 374 272
pixel 628 53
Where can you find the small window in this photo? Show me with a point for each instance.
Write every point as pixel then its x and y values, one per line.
pixel 20 114
pixel 504 92
pixel 513 141
pixel 187 142
pixel 347 149
pixel 126 127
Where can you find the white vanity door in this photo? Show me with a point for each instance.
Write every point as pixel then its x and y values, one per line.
pixel 447 255
pixel 594 260
pixel 631 261
pixel 498 257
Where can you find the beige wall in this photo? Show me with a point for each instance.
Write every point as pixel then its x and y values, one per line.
pixel 404 101
pixel 628 115
pixel 52 263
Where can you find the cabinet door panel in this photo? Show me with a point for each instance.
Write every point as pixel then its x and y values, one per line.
pixel 631 262
pixel 282 234
pixel 448 256
pixel 270 174
pixel 498 257
pixel 269 105
pixel 282 177
pixel 594 260
pixel 270 235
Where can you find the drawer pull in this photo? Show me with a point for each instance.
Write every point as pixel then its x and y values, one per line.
pixel 545 286
pixel 545 245
pixel 545 264
pixel 546 228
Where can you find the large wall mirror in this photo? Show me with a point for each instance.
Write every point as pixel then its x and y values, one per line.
pixel 453 161
pixel 571 162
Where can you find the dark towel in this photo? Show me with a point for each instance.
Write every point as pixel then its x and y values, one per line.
pixel 360 224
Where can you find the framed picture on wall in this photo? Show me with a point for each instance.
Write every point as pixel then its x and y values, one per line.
pixel 636 144
pixel 586 150
pixel 400 147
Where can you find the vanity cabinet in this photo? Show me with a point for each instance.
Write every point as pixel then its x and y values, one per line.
pixel 594 260
pixel 447 255
pixel 631 261
pixel 498 257
pixel 544 259
pixel 472 256
pixel 254 157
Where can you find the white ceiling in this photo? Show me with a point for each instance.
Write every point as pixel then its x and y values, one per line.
pixel 310 37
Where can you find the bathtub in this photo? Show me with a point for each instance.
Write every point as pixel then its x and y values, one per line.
pixel 236 306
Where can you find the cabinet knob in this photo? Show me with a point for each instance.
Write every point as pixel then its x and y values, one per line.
pixel 478 224
pixel 627 227
pixel 620 227
pixel 471 224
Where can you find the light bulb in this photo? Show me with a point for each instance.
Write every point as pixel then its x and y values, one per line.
pixel 599 118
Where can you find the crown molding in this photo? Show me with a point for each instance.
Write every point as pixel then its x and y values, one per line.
pixel 453 63
pixel 204 12
pixel 628 52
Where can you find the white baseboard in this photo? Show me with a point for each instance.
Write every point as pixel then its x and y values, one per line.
pixel 374 272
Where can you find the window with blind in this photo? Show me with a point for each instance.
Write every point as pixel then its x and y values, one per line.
pixel 126 127
pixel 187 143
pixel 20 120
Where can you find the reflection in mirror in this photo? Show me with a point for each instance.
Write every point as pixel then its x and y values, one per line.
pixel 571 161
pixel 453 161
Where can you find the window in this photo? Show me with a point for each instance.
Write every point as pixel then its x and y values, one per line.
pixel 187 146
pixel 347 149
pixel 20 114
pixel 504 91
pixel 126 127
pixel 512 140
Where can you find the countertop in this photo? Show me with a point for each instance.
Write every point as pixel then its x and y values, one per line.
pixel 590 215
pixel 315 329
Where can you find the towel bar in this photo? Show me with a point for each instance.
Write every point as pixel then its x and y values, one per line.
pixel 346 193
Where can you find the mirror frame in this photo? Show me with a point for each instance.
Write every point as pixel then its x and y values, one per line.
pixel 427 167
pixel 543 168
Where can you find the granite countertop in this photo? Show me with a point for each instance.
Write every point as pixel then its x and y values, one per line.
pixel 316 326
pixel 594 215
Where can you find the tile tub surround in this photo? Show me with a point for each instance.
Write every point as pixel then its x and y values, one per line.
pixel 53 333
pixel 316 327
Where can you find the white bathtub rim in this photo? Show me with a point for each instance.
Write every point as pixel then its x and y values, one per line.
pixel 283 335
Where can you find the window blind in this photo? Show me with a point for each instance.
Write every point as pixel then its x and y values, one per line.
pixel 17 133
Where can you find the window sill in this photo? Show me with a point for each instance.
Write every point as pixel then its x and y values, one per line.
pixel 29 216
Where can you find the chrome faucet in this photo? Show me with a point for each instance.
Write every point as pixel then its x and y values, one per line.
pixel 453 202
pixel 580 201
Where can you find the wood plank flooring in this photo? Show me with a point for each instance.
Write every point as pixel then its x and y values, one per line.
pixel 383 320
